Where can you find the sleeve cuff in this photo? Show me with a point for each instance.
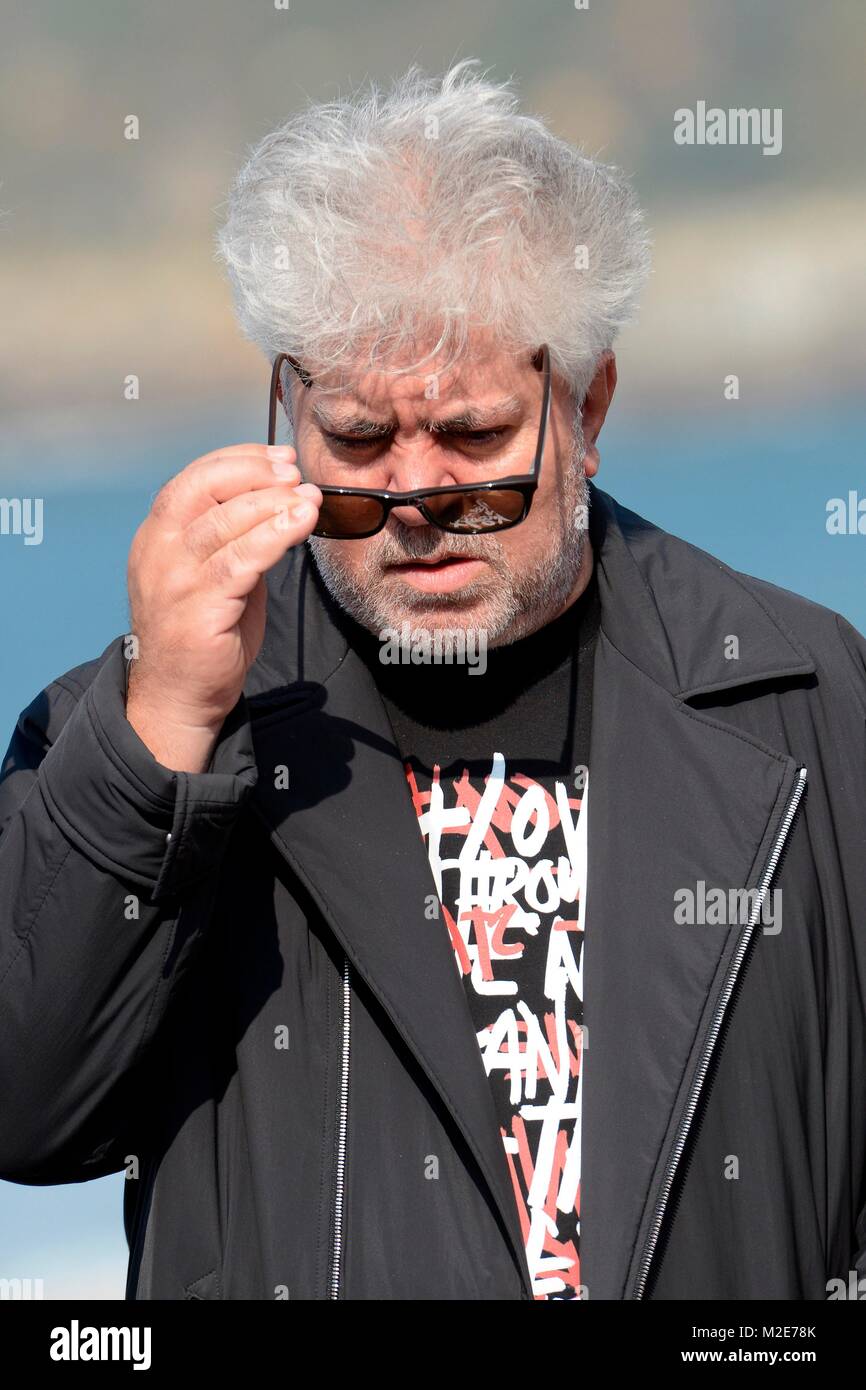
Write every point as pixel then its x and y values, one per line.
pixel 152 826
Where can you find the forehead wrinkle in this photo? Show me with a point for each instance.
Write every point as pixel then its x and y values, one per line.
pixel 470 417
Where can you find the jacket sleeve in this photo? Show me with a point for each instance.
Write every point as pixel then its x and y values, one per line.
pixel 854 644
pixel 855 647
pixel 107 871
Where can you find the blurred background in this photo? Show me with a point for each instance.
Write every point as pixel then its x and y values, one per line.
pixel 107 269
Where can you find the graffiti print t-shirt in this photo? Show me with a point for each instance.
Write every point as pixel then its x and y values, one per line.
pixel 497 768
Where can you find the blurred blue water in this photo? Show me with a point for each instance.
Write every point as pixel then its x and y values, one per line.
pixel 752 491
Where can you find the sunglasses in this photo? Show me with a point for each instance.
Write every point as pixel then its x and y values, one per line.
pixel 354 513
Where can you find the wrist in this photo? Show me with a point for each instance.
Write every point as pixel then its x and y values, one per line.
pixel 179 744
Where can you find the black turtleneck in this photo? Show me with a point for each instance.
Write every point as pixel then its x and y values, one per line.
pixel 534 698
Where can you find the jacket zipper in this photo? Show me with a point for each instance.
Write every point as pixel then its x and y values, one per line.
pixel 342 1128
pixel 712 1037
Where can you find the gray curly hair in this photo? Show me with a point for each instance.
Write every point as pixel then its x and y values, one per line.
pixel 363 225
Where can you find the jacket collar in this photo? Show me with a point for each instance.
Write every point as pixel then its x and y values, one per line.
pixel 676 796
pixel 669 608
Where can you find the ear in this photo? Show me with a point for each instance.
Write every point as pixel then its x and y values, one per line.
pixel 595 408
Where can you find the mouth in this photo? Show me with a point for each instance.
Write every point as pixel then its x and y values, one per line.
pixel 439 574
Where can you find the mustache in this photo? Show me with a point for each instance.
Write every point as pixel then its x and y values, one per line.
pixel 420 542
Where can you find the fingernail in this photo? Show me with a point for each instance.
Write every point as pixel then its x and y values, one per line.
pixel 284 470
pixel 279 451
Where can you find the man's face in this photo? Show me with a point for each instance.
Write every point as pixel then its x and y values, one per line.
pixel 478 421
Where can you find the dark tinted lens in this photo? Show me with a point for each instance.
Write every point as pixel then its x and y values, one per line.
pixel 485 510
pixel 341 518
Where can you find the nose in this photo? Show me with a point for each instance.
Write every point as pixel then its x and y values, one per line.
pixel 413 472
pixel 408 516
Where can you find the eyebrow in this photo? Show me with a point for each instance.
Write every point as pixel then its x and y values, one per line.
pixel 474 417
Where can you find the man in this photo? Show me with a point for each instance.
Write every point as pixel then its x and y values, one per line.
pixel 297 875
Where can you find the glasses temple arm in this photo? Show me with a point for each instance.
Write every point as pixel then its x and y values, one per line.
pixel 304 377
pixel 544 351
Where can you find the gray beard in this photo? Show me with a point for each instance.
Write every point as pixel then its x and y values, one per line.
pixel 511 607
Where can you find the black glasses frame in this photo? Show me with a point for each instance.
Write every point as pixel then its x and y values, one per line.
pixel 523 483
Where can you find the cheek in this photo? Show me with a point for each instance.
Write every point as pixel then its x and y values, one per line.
pixel 540 528
pixel 355 558
pixel 520 545
pixel 556 493
pixel 345 555
pixel 551 487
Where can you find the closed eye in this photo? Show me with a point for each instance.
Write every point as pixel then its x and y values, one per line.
pixel 353 441
pixel 483 436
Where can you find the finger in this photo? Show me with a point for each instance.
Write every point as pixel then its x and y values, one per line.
pixel 226 521
pixel 235 569
pixel 216 477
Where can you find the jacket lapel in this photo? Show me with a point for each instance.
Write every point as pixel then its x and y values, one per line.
pixel 347 827
pixel 677 798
